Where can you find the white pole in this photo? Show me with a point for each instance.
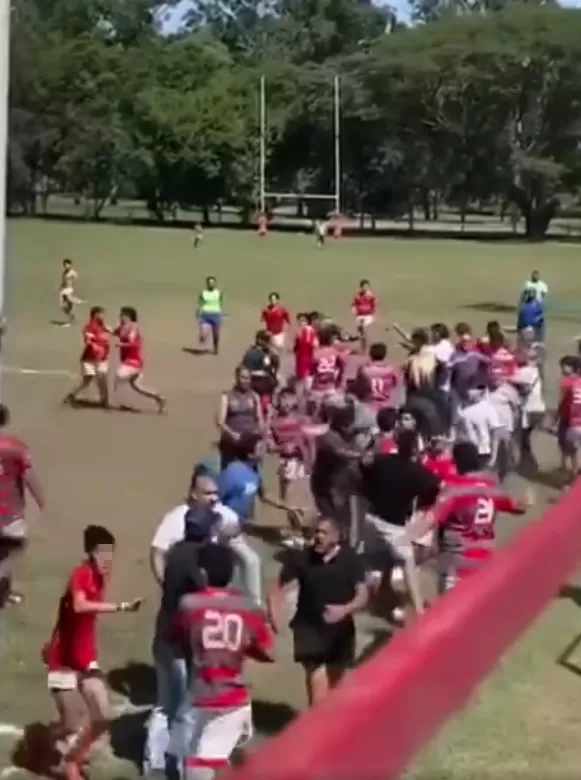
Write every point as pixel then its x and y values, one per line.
pixel 337 126
pixel 262 144
pixel 5 9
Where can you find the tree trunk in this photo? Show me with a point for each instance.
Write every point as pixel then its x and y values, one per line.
pixel 426 206
pixel 411 214
pixel 537 220
pixel 206 215
pixel 436 206
pixel 373 221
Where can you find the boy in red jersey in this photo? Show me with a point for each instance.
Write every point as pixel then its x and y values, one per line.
pixel 363 307
pixel 306 342
pixel 465 517
pixel 383 377
pixel 16 476
pixel 94 358
pixel 74 678
pixel 219 627
pixel 276 319
pixel 327 370
pixel 130 367
pixel 438 459
pixel 385 443
pixel 569 415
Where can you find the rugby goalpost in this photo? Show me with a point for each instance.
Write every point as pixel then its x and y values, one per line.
pixel 334 196
pixel 5 10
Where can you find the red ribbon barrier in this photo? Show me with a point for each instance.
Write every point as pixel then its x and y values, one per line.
pixel 372 727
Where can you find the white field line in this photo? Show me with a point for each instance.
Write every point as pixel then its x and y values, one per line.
pixel 38 371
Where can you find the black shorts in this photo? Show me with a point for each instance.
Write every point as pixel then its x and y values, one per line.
pixel 322 645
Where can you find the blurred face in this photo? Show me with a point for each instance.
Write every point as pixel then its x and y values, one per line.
pixel 243 379
pixel 211 283
pixel 124 319
pixel 407 422
pixel 204 493
pixel 287 403
pixel 326 537
pixel 464 339
pixel 566 369
pixel 67 265
pixel 102 557
pixel 364 287
pixel 535 276
pixel 273 300
pixel 302 322
pixel 475 394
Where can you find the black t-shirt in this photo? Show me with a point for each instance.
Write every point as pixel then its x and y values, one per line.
pixel 263 366
pixel 182 575
pixel 322 582
pixel 392 485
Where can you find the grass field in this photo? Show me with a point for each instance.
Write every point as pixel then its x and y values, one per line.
pixel 125 470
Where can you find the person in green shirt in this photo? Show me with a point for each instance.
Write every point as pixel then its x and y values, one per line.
pixel 210 313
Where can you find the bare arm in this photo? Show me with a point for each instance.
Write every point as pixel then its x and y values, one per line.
pixel 157 564
pixel 82 606
pixel 275 602
pixel 221 418
pixel 360 600
pixel 34 487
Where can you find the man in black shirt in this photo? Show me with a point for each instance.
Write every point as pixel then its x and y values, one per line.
pixel 263 364
pixel 395 487
pixel 331 588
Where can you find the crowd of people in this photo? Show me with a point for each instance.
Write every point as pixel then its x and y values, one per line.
pixel 388 471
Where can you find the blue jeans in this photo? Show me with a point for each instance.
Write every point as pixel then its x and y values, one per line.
pixel 171 682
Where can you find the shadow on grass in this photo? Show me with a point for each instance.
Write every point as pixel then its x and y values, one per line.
pixel 135 681
pixel 491 307
pixel 197 351
pixel 271 717
pixel 573 593
pixel 554 479
pixel 128 737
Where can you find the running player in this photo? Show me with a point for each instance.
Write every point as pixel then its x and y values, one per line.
pixel 94 358
pixel 276 319
pixel 74 677
pixel 569 415
pixel 327 371
pixel 16 476
pixel 67 299
pixel 364 306
pixel 306 342
pixel 130 369
pixel 465 517
pixel 382 376
pixel 198 236
pixel 210 315
pixel 218 627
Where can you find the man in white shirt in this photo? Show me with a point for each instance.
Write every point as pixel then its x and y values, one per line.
pixel 477 422
pixel 505 399
pixel 529 383
pixel 536 285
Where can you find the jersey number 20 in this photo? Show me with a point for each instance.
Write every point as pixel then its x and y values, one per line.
pixel 222 631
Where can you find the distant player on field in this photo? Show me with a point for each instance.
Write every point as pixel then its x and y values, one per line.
pixel 94 358
pixel 67 299
pixel 364 306
pixel 210 304
pixel 130 370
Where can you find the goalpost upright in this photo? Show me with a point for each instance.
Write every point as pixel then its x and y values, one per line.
pixel 335 196
pixel 5 11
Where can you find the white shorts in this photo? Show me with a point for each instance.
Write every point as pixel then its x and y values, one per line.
pixel 95 369
pixel 209 736
pixel 365 320
pixel 291 469
pixel 278 340
pixel 125 372
pixel 67 679
pixel 16 530
pixel 392 535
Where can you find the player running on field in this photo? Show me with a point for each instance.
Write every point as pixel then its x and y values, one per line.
pixel 75 679
pixel 306 341
pixel 94 358
pixel 130 369
pixel 276 320
pixel 67 299
pixel 198 236
pixel 16 476
pixel 219 628
pixel 210 313
pixel 364 306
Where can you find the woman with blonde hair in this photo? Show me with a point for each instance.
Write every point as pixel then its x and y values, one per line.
pixel 422 382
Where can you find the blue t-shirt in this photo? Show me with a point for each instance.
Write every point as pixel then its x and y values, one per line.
pixel 238 486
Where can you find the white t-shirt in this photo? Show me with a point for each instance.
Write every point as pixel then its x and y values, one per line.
pixel 443 352
pixel 172 527
pixel 540 288
pixel 506 402
pixel 476 423
pixel 529 378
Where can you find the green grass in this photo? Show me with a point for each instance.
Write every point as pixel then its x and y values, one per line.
pixel 125 470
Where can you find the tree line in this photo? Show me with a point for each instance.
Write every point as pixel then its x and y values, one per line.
pixel 477 102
